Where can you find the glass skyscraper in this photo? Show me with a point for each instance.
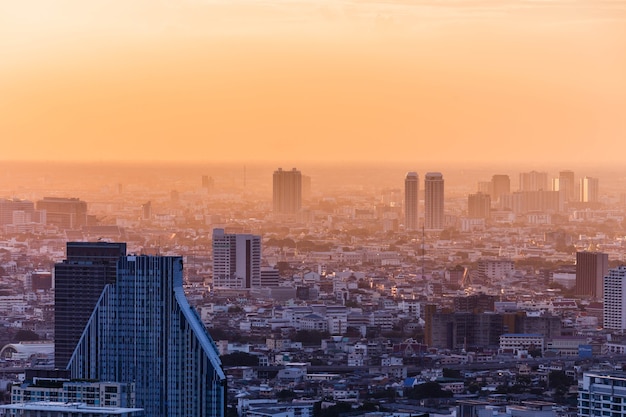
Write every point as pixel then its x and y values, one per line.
pixel 144 331
pixel 78 283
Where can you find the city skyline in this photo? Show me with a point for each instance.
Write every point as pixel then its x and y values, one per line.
pixel 478 82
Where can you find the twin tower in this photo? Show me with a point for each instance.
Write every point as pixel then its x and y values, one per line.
pixel 126 319
pixel 433 201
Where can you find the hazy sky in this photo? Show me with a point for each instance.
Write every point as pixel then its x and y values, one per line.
pixel 314 80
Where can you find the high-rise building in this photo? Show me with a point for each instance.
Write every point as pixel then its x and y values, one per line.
pixel 533 181
pixel 411 199
pixel 287 191
pixel 79 281
pixel 479 206
pixel 433 201
pixel 614 308
pixel 65 213
pixel 591 267
pixel 236 260
pixel 566 186
pixel 144 331
pixel 500 185
pixel 589 190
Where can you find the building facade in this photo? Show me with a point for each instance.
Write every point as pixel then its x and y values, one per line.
pixel 602 394
pixel 411 200
pixel 433 201
pixel 79 281
pixel 236 260
pixel 144 331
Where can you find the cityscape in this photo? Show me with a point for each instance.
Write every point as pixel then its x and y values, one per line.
pixel 312 208
pixel 258 290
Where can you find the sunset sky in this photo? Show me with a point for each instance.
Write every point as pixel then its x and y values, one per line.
pixel 313 80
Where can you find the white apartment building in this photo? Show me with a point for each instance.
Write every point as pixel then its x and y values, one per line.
pixel 602 394
pixel 615 299
pixel 521 341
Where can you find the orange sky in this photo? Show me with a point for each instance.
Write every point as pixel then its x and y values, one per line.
pixel 314 80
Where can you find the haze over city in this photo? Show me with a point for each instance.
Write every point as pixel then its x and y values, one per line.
pixel 464 82
pixel 304 208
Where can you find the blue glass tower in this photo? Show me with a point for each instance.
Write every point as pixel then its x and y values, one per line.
pixel 143 330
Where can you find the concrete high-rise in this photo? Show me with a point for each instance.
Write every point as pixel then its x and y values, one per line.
pixel 533 181
pixel 411 200
pixel 591 267
pixel 287 191
pixel 479 206
pixel 567 186
pixel 589 190
pixel 500 185
pixel 236 260
pixel 79 281
pixel 614 307
pixel 144 331
pixel 433 201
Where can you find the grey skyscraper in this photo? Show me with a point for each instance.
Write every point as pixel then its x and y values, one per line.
pixel 144 331
pixel 236 260
pixel 411 199
pixel 433 201
pixel 79 281
pixel 287 191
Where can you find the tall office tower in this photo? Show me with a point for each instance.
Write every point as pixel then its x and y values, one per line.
pixel 411 199
pixel 79 281
pixel 144 331
pixel 614 307
pixel 500 185
pixel 236 260
pixel 533 181
pixel 287 191
pixel 589 190
pixel 591 267
pixel 479 206
pixel 567 186
pixel 65 213
pixel 433 201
